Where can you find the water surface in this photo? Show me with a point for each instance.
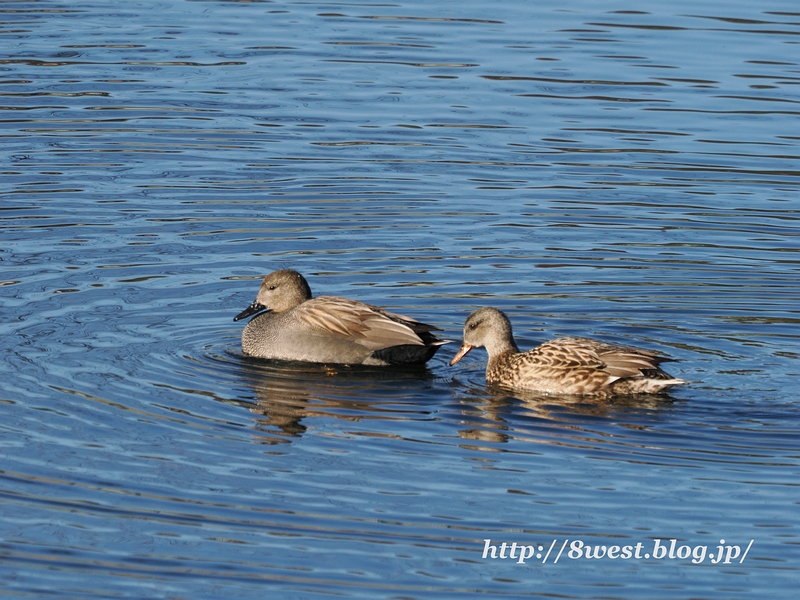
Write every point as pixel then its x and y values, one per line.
pixel 624 171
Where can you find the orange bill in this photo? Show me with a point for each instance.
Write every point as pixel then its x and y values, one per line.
pixel 462 352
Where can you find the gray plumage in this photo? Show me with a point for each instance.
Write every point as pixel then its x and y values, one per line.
pixel 569 365
pixel 330 329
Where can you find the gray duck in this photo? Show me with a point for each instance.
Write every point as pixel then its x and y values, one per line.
pixel 291 325
pixel 568 365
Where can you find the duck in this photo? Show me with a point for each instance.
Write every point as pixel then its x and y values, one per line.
pixel 567 365
pixel 288 324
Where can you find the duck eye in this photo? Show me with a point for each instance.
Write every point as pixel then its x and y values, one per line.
pixel 271 288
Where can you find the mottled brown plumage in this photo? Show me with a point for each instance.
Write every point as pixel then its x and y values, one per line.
pixel 569 365
pixel 329 329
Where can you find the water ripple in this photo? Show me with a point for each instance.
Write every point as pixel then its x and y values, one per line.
pixel 589 172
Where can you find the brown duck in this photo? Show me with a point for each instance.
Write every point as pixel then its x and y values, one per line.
pixel 291 325
pixel 568 365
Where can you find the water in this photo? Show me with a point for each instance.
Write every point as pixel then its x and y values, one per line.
pixel 619 170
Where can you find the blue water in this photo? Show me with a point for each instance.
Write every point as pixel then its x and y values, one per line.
pixel 626 171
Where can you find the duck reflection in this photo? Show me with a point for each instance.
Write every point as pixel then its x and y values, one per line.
pixel 284 395
pixel 492 416
pixel 550 406
pixel 287 393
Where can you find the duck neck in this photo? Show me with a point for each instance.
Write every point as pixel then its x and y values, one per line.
pixel 501 345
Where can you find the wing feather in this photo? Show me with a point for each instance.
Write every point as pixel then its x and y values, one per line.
pixel 370 326
pixel 617 361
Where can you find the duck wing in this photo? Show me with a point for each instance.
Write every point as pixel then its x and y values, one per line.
pixel 369 326
pixel 617 361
